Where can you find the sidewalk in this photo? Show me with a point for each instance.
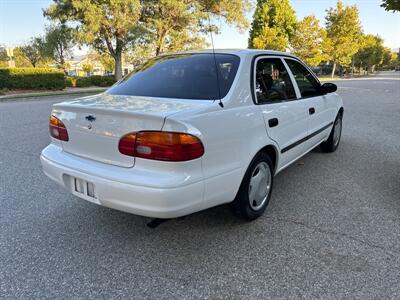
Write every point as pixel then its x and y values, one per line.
pixel 66 91
pixel 346 77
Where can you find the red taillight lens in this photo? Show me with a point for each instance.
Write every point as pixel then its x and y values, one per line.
pixel 127 144
pixel 159 145
pixel 57 129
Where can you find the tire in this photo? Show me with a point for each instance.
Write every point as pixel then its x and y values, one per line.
pixel 332 143
pixel 259 177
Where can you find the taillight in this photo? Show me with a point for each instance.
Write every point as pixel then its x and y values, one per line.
pixel 161 145
pixel 57 129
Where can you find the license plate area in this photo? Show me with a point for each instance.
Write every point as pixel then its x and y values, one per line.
pixel 84 189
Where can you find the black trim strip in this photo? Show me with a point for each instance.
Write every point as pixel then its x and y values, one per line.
pixel 291 146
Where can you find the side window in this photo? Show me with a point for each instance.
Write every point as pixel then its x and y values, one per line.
pixel 273 83
pixel 307 84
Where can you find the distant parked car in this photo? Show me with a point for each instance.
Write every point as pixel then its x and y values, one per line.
pixel 397 69
pixel 189 131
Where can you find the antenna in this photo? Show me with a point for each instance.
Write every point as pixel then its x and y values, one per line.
pixel 215 62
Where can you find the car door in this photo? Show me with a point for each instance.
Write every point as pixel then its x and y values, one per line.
pixel 321 111
pixel 285 117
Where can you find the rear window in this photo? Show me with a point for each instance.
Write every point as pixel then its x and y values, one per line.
pixel 184 76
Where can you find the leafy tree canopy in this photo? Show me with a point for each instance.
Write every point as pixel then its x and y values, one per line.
pixel 3 54
pixel 88 68
pixel 3 57
pixel 344 29
pixel 58 44
pixel 114 26
pixel 176 23
pixel 107 25
pixel 107 62
pixel 389 58
pixel 310 41
pixel 391 5
pixel 34 51
pixel 371 52
pixel 273 26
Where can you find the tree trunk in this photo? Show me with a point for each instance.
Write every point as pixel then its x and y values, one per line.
pixel 333 70
pixel 160 43
pixel 118 66
pixel 62 62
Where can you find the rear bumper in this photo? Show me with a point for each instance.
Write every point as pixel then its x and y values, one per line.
pixel 120 188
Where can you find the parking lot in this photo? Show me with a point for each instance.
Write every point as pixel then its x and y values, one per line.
pixel 331 231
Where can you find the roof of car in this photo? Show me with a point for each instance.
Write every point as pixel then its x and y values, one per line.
pixel 240 52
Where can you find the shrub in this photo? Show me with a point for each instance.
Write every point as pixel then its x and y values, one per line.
pixel 83 82
pixel 31 78
pixel 70 81
pixel 102 80
pixel 95 80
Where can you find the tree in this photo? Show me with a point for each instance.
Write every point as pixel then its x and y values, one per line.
pixel 344 29
pixel 34 50
pixel 107 62
pixel 107 25
pixel 21 61
pixel 3 57
pixel 177 24
pixel 184 41
pixel 398 57
pixel 273 26
pixel 371 52
pixel 139 55
pixel 391 5
pixel 87 68
pixel 389 58
pixel 310 41
pixel 58 44
pixel 105 59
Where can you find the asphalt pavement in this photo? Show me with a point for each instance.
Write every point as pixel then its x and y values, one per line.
pixel 331 231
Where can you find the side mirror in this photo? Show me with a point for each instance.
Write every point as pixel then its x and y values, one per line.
pixel 329 88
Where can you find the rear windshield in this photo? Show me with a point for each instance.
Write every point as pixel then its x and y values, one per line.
pixel 186 76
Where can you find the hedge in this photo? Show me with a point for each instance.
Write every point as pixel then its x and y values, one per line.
pixel 42 78
pixel 83 82
pixel 31 78
pixel 102 80
pixel 95 80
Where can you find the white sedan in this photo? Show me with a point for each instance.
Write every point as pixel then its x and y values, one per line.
pixel 189 131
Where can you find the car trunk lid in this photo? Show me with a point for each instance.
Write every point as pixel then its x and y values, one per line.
pixel 95 124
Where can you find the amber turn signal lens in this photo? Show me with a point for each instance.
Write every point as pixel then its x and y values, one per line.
pixel 57 129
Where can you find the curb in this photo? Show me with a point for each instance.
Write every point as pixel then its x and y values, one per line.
pixel 47 94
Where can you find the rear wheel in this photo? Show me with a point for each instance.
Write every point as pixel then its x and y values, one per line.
pixel 332 143
pixel 255 189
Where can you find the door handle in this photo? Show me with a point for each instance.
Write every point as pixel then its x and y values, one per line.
pixel 273 122
pixel 311 110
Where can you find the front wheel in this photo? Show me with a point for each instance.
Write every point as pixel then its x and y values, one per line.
pixel 255 189
pixel 332 143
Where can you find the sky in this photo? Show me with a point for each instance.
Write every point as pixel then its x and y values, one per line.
pixel 22 19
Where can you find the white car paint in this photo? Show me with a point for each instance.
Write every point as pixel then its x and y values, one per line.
pixel 231 136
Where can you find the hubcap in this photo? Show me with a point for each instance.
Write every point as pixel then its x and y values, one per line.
pixel 260 185
pixel 337 131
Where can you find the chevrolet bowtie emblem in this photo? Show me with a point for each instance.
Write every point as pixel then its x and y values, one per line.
pixel 90 118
